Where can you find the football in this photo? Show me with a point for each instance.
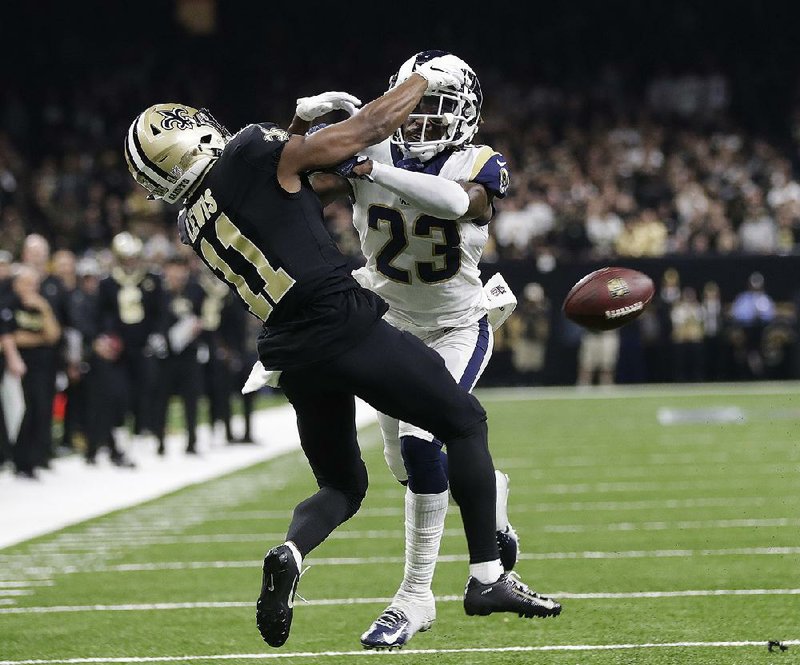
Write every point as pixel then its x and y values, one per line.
pixel 608 298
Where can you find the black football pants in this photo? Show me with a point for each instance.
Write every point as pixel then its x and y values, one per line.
pixel 400 376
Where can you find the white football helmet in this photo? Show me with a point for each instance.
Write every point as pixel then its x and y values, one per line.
pixel 169 146
pixel 446 118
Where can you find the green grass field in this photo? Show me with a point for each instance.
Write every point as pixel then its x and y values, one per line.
pixel 683 536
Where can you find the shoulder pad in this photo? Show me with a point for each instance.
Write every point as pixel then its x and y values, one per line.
pixel 490 170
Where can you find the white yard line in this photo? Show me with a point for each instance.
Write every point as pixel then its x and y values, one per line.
pixel 89 541
pixel 637 392
pixel 536 507
pixel 650 486
pixel 443 559
pixel 663 526
pixel 397 654
pixel 24 584
pixel 325 602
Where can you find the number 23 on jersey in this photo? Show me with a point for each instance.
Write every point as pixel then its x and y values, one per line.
pixel 445 256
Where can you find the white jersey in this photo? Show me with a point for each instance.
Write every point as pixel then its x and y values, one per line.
pixel 425 268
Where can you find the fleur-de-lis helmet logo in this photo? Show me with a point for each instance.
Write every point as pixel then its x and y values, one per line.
pixel 177 118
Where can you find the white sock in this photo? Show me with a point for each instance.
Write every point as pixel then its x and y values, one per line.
pixel 486 572
pixel 425 514
pixel 501 507
pixel 297 558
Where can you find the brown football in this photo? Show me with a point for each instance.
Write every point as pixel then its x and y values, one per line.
pixel 608 298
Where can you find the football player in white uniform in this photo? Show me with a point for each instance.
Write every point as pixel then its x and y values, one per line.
pixel 422 203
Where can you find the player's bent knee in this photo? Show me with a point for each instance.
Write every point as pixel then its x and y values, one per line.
pixel 356 490
pixel 465 420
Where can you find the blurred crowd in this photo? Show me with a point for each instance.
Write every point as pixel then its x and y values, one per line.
pixel 98 345
pixel 670 175
pixel 104 317
pixel 687 334
pixel 595 174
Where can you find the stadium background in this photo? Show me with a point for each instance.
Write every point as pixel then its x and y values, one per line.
pixel 697 109
pixel 664 517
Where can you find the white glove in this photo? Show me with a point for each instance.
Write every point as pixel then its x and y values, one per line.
pixel 445 71
pixel 259 377
pixel 309 108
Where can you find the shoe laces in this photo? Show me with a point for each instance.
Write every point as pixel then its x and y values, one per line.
pixel 518 584
pixel 390 618
pixel 302 572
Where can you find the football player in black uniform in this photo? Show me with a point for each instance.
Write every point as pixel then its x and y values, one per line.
pixel 223 320
pixel 130 313
pixel 179 370
pixel 254 219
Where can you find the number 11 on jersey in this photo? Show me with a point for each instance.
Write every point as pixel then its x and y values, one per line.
pixel 276 282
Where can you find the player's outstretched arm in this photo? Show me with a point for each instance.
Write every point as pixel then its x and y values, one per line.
pixel 329 146
pixel 374 123
pixel 437 196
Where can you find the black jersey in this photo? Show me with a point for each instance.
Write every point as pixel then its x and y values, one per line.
pixel 178 307
pixel 272 248
pixel 129 305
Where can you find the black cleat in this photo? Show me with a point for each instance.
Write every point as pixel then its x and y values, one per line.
pixel 508 546
pixel 507 594
pixel 278 586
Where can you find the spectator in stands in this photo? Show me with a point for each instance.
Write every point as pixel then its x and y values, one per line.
pixel 712 332
pixel 758 233
pixel 753 310
pixel 529 333
pixel 597 357
pixel 687 337
pixel 520 221
pixel 643 235
pixel 603 227
pixel 36 255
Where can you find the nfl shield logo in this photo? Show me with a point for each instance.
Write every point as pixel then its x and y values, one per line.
pixel 617 287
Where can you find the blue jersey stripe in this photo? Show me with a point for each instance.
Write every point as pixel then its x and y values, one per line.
pixel 470 375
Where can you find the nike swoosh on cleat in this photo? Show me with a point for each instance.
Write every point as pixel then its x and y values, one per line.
pixel 392 637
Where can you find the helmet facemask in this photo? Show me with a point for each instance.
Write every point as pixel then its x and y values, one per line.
pixel 446 118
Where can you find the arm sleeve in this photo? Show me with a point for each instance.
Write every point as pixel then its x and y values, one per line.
pixel 437 196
